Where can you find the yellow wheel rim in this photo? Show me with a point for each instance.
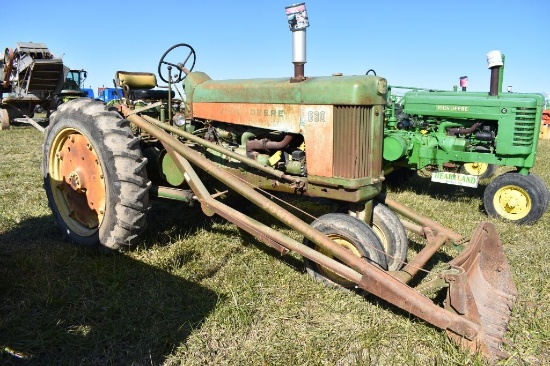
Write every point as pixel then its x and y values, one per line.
pixel 381 235
pixel 512 202
pixel 346 243
pixel 77 182
pixel 476 168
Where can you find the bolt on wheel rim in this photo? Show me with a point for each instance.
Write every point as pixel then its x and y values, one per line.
pixel 382 236
pixel 512 202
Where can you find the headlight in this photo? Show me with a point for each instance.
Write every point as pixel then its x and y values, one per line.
pixel 179 120
pixel 382 86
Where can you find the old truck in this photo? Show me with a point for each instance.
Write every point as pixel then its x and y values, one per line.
pixel 461 136
pixel 257 138
pixel 34 82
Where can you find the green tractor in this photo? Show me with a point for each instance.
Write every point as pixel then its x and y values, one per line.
pixel 315 137
pixel 462 136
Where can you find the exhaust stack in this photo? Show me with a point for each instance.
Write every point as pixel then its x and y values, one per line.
pixel 298 22
pixel 494 62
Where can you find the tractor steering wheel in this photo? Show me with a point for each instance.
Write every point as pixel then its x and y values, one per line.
pixel 180 66
pixel 369 71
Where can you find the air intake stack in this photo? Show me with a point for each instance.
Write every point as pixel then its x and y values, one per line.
pixel 298 22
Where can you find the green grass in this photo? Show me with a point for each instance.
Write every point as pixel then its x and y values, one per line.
pixel 198 291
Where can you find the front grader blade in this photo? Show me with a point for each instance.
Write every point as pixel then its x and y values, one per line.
pixel 480 285
pixel 482 291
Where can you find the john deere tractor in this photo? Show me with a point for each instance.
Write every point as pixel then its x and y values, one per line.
pixel 461 136
pixel 198 140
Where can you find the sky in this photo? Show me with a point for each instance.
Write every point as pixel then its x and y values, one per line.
pixel 428 44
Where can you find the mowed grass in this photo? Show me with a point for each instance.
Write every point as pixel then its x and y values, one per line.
pixel 197 291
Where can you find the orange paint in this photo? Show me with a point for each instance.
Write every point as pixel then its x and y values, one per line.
pixel 282 117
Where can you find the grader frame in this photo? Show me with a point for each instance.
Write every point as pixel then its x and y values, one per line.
pixel 482 261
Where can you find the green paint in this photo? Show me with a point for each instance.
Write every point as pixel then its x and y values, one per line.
pixel 331 90
pixel 507 135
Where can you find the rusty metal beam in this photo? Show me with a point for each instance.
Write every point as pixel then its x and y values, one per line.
pixel 366 275
pixel 262 232
pixel 419 261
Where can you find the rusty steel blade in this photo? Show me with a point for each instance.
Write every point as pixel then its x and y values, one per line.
pixel 483 291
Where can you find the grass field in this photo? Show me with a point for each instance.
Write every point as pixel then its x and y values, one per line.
pixel 197 291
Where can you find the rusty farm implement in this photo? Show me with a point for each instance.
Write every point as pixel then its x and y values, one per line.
pixel 309 136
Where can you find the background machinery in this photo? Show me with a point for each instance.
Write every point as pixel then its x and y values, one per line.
pixel 108 94
pixel 463 136
pixel 34 81
pixel 73 87
pixel 257 138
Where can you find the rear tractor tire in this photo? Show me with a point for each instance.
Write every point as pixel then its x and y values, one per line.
pixel 521 199
pixel 352 234
pixel 94 175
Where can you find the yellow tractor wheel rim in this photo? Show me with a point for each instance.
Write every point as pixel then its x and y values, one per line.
pixel 327 273
pixel 476 168
pixel 512 202
pixel 382 236
pixel 77 181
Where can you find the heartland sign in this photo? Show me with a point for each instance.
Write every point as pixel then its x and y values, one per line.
pixel 456 179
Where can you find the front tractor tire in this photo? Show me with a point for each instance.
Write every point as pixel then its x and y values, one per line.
pixel 517 198
pixel 354 235
pixel 94 175
pixel 389 229
pixel 392 234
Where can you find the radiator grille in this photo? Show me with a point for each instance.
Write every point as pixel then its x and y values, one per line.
pixel 357 143
pixel 524 126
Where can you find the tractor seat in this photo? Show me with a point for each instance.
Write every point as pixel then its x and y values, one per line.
pixel 139 85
